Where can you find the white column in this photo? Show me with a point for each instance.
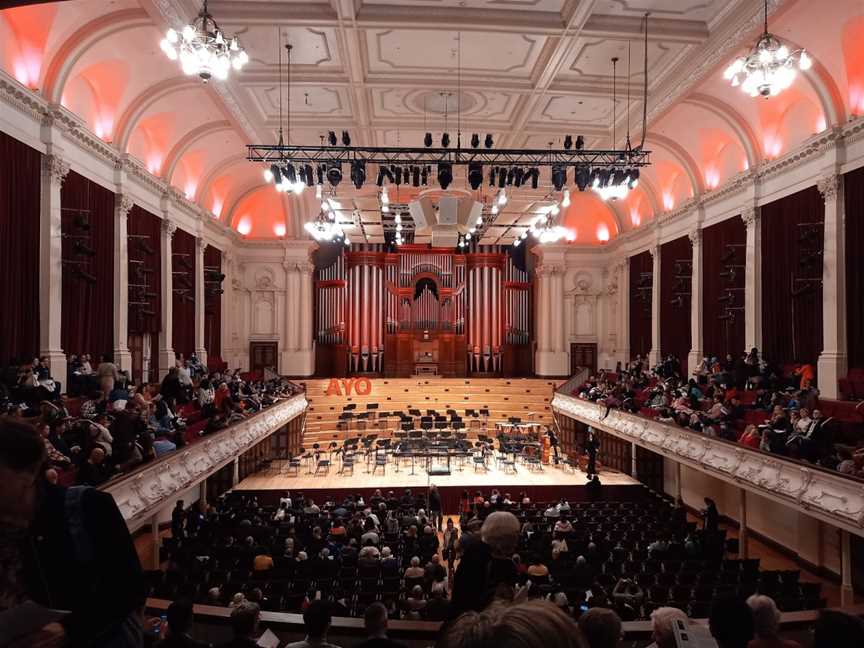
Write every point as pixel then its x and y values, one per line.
pixel 166 342
pixel 833 360
pixel 54 171
pixel 743 531
pixel 559 322
pixel 226 344
pixel 200 349
pixel 654 353
pixel 122 206
pixel 634 471
pixel 678 484
pixel 235 476
pixel 847 593
pixel 624 310
pixel 156 540
pixel 696 331
pixel 551 360
pixel 202 492
pixel 752 279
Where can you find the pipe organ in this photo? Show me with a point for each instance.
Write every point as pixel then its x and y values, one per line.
pixel 422 310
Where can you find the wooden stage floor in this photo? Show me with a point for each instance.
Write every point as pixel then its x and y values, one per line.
pixel 550 476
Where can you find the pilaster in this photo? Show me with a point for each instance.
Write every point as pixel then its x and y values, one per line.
pixel 551 358
pixel 696 331
pixel 833 361
pixel 200 349
pixel 166 342
pixel 54 172
pixel 624 292
pixel 752 278
pixel 122 206
pixel 655 353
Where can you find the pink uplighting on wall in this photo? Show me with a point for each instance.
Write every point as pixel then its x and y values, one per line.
pixel 244 226
pixel 668 201
pixel 712 178
pixel 635 217
pixel 189 191
pixel 279 229
pixel 602 233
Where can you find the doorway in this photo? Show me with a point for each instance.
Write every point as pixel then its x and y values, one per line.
pixel 263 354
pixel 583 355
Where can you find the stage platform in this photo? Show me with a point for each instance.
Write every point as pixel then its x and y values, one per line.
pixel 550 483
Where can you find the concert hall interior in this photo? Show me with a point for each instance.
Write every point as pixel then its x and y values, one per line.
pixel 397 323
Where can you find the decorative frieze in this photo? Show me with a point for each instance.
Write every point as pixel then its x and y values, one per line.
pixel 144 493
pixel 830 497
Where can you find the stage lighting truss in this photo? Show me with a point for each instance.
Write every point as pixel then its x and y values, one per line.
pixel 611 163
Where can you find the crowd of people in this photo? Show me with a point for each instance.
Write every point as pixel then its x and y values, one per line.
pixel 743 399
pixel 117 425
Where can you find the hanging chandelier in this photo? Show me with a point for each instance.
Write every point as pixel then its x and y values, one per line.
pixel 203 48
pixel 544 229
pixel 325 228
pixel 769 68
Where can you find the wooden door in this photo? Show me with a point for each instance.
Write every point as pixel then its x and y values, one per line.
pixel 263 354
pixel 583 355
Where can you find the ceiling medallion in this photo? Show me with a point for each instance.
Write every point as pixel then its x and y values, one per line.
pixel 769 68
pixel 203 48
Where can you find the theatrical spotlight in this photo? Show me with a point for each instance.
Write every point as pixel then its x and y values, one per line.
pixel 427 140
pixel 488 143
pixel 475 140
pixel 346 139
pixel 276 174
pixel 580 143
pixel 582 176
pixel 309 175
pixel 518 176
pixel 334 173
pixel 397 175
pixel 424 175
pixel 568 142
pixel 445 174
pixel 445 140
pixel 502 177
pixel 331 138
pixel 559 176
pixel 415 176
pixel 383 172
pixel 532 174
pixel 633 176
pixel 475 174
pixel 358 173
pixel 493 176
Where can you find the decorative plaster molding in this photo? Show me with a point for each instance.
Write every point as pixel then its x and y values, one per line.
pixel 833 498
pixel 145 493
pixel 695 237
pixel 123 204
pixel 750 216
pixel 830 187
pixel 169 226
pixel 55 167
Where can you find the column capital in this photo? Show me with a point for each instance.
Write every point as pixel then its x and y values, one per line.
pixel 654 251
pixel 169 227
pixel 750 215
pixel 123 204
pixel 201 244
pixel 695 236
pixel 56 167
pixel 830 186
pixel 306 268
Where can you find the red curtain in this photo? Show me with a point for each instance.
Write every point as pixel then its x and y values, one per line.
pixel 20 176
pixel 854 193
pixel 791 325
pixel 88 281
pixel 183 260
pixel 723 336
pixel 675 333
pixel 213 305
pixel 640 304
pixel 145 269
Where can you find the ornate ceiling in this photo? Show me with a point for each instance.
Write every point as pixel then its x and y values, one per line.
pixel 532 71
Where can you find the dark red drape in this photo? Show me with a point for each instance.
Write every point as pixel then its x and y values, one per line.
pixel 675 333
pixel 88 304
pixel 854 194
pixel 183 250
pixel 640 305
pixel 20 175
pixel 213 305
pixel 722 337
pixel 145 267
pixel 791 326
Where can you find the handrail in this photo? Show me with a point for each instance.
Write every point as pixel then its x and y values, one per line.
pixel 824 494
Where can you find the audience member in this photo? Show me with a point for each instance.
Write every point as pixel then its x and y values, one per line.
pixel 244 625
pixel 731 622
pixel 836 629
pixel 601 628
pixel 180 626
pixel 316 620
pixel 662 620
pixel 375 621
pixel 766 624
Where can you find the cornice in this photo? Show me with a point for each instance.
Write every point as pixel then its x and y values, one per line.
pixel 833 498
pixel 144 493
pixel 20 98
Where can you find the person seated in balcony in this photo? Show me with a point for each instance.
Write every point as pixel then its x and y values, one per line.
pixel 662 621
pixel 94 471
pixel 766 624
pixel 750 437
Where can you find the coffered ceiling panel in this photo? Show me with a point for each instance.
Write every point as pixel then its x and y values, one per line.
pixel 592 60
pixel 524 5
pixel 704 10
pixel 393 51
pixel 305 100
pixel 592 110
pixel 428 104
pixel 311 46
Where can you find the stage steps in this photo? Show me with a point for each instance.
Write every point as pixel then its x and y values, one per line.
pixel 503 397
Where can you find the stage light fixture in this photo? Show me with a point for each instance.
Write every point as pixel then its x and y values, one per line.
pixel 445 140
pixel 319 191
pixel 580 143
pixel 559 176
pixel 502 198
pixel 493 176
pixel 276 174
pixel 268 175
pixel 383 173
pixel 510 174
pixel 331 138
pixel 565 201
pixel 475 140
pixel 475 175
pixel 290 174
pixel 397 175
pixel 346 138
pixel 424 176
pixel 358 173
pixel 533 174
pixel 427 140
pixel 445 174
pixel 518 176
pixel 334 173
pixel 488 143
pixel 634 178
pixel 568 142
pixel 502 178
pixel 310 175
pixel 415 176
pixel 320 174
pixel 582 177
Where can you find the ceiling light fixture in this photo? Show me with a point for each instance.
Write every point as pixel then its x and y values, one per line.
pixel 769 68
pixel 203 48
pixel 545 230
pixel 325 227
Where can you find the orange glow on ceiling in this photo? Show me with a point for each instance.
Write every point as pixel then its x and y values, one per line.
pixel 587 213
pixel 106 82
pixel 789 117
pixel 31 26
pixel 259 212
pixel 279 229
pixel 853 55
pixel 152 140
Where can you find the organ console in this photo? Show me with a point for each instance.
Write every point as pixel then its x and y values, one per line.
pixel 431 310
